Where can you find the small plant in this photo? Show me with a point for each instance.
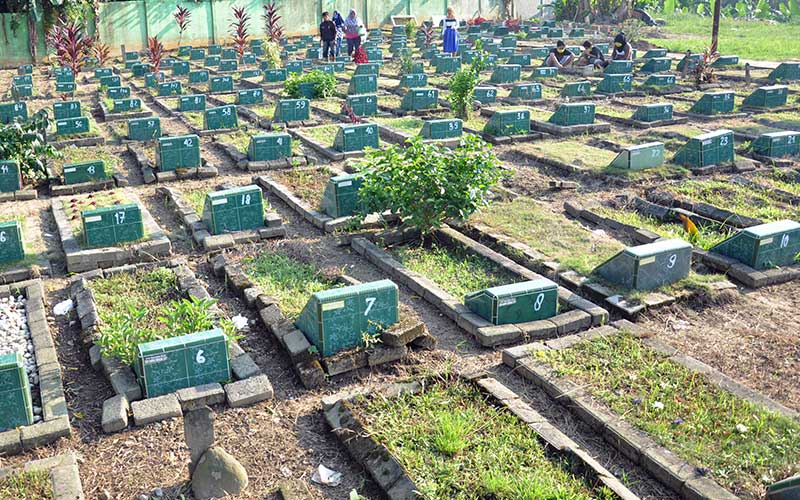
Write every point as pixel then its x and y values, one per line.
pixel 704 71
pixel 324 84
pixel 183 17
pixel 513 25
pixel 370 340
pixel 71 44
pixel 411 26
pixel 155 53
pixel 476 21
pixel 101 52
pixel 27 144
pixel 462 84
pixel 239 26
pixel 351 115
pixel 360 56
pixel 271 27
pixel 429 31
pixel 428 184
pixel 272 54
pixel 406 64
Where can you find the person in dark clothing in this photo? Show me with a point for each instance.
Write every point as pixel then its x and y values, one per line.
pixel 592 55
pixel 338 20
pixel 559 57
pixel 622 50
pixel 327 31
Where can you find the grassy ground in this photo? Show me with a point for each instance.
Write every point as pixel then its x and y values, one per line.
pixel 142 289
pixel 739 199
pixel 195 118
pixel 27 486
pixel 324 134
pixel 570 152
pixel 454 269
pixel 757 40
pixel 306 184
pixel 780 180
pixel 289 280
pixel 74 154
pixel 745 446
pixel 240 139
pixel 265 111
pixel 788 120
pixel 455 445
pixel 408 125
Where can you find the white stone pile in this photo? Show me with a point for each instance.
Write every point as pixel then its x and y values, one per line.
pixel 15 336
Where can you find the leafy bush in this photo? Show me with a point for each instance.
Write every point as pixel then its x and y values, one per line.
pixel 324 84
pixel 26 143
pixel 155 53
pixel 428 184
pixel 462 84
pixel 406 64
pixel 71 44
pixel 411 27
pixel 272 54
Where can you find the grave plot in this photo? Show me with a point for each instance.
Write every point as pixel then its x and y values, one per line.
pixel 33 410
pixel 12 185
pixel 78 131
pixel 107 229
pixel 707 435
pixel 469 283
pixel 254 151
pixel 337 142
pixel 293 297
pixel 55 478
pixel 172 158
pixel 135 129
pixel 214 120
pixel 283 114
pixel 446 131
pixel 785 120
pixel 181 351
pixel 644 116
pixel 120 105
pixel 500 125
pixel 364 106
pixel 450 452
pixel 186 103
pixel 224 217
pixel 81 170
pixel 569 119
pixel 23 253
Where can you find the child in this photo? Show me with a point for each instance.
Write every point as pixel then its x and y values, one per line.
pixel 622 50
pixel 327 31
pixel 559 57
pixel 592 55
pixel 338 20
pixel 450 34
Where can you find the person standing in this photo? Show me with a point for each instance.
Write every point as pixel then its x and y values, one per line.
pixel 338 20
pixel 351 25
pixel 450 33
pixel 327 32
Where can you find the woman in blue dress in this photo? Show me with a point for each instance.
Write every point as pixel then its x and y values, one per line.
pixel 450 33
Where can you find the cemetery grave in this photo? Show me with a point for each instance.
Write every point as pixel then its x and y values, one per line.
pixel 337 142
pixel 254 151
pixel 83 169
pixel 172 158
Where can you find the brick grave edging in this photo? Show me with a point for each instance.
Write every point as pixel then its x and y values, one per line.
pixel 202 132
pixel 80 260
pixel 80 142
pixel 327 151
pixel 674 472
pixel 312 371
pixel 243 163
pixel 630 122
pixel 273 225
pixel 151 173
pixel 395 481
pixel 65 478
pixel 505 139
pixel 55 417
pixel 59 189
pixel 110 116
pixel 583 314
pixel 319 219
pixel 24 194
pixel 251 384
pixel 706 210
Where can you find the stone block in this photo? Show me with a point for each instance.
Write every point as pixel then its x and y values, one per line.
pixel 44 433
pixel 115 414
pixel 385 354
pixel 249 391
pixel 198 396
pixel 244 367
pixel 152 410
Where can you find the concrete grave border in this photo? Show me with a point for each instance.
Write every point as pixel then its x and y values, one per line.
pixel 55 416
pixel 675 473
pixel 57 188
pixel 328 151
pixel 81 259
pixel 251 385
pixel 151 173
pixel 64 475
pixel 243 163
pixel 109 116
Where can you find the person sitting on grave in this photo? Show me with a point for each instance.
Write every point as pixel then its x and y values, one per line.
pixel 327 32
pixel 622 50
pixel 351 25
pixel 450 34
pixel 592 55
pixel 559 57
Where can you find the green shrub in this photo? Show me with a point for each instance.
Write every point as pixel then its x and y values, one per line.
pixel 26 143
pixel 462 84
pixel 272 55
pixel 324 84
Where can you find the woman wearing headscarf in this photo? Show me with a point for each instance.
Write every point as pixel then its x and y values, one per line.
pixel 351 24
pixel 338 20
pixel 450 33
pixel 622 50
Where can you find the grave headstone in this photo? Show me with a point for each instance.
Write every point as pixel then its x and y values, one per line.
pixel 640 157
pixel 712 148
pixel 577 89
pixel 765 246
pixel 12 248
pixel 219 118
pixel 10 176
pixel 87 171
pixel 250 96
pixel 12 111
pixel 72 126
pixel 177 152
pixel 526 91
pixel 515 122
pixel 712 103
pixel 656 65
pixel 340 197
pixel 485 95
pixel 108 226
pixel 118 92
pixel 236 209
pixel 289 110
pixel 196 102
pixel 63 110
pixel 516 303
pixel 777 144
pixel 363 105
pixel 785 72
pixel 268 147
pixel 356 137
pixel 650 266
pixel 771 96
pixel 653 112
pixel 657 80
pixel 615 83
pixel 221 84
pixel 16 407
pixel 363 84
pixel 447 128
pixel 576 113
pixel 144 129
pixel 419 99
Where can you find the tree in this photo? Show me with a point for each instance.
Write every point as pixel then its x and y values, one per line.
pixel 715 27
pixel 183 17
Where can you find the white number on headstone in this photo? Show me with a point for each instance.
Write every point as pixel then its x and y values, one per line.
pixel 199 358
pixel 539 301
pixel 245 199
pixel 370 302
pixel 3 237
pixel 90 169
pixel 785 241
pixel 672 260
pixel 120 217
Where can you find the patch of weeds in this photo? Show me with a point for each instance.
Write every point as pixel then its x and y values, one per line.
pixel 746 446
pixel 34 247
pixel 195 119
pixel 456 445
pixel 570 152
pixel 324 134
pixel 289 280
pixel 455 269
pixel 306 184
pixel 73 154
pixel 780 180
pixel 265 111
pixel 27 485
pixel 788 120
pixel 408 125
pixel 736 198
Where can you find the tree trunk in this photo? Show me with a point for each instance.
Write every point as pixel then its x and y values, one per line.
pixel 715 27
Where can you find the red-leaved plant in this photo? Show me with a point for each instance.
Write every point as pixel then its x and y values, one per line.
pixel 71 44
pixel 239 29
pixel 475 21
pixel 182 17
pixel 101 52
pixel 155 52
pixel 351 115
pixel 513 25
pixel 360 56
pixel 271 27
pixel 429 31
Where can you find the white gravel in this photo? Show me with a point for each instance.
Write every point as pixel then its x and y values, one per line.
pixel 16 337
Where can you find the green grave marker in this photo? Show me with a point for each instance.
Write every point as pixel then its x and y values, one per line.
pixel 12 111
pixel 290 110
pixel 713 103
pixel 151 80
pixel 118 92
pixel 786 71
pixel 180 68
pixel 215 50
pixel 777 144
pixel 197 54
pixel 356 137
pixel 577 89
pixel 712 148
pixel 576 33
pixel 640 157
pixel 765 246
pixel 419 99
pixel 654 53
pixel 336 320
pixel 660 81
pixel 25 69
pixel 447 128
pixel 166 89
pixel 221 84
pixel 108 226
pixel 110 81
pixel 363 84
pixel 614 84
pixel 508 42
pixel 504 52
pixel 11 246
pixel 506 73
pixel 195 102
pixel 656 65
pixel 367 69
pixel 63 110
pixel 198 76
pixel 228 53
pixel 165 366
pixel 502 123
pixel 516 303
pixel 177 152
pixel 248 59
pixel 619 67
pixel 65 76
pixel 340 198
pixel 10 176
pixel 184 50
pixel 485 95
pixel 140 69
pixel 772 96
pixel 249 73
pixel 414 80
pixel 653 112
pixel 250 96
pixel 87 171
pixel 725 61
pixel 16 407
pixel 575 113
pixel 144 129
pixel 689 62
pixel 520 59
pixel 540 52
pixel 22 80
pixel 131 56
pixel 374 55
pixel 448 64
pixel 274 75
pixel 544 72
pixel 20 91
pixel 555 33
pixel 294 67
pixel 65 87
pixel 71 126
pixel 220 118
pixel 650 266
pixel 363 105
pixel 212 61
pixel 236 209
pixel 101 72
pixel 268 147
